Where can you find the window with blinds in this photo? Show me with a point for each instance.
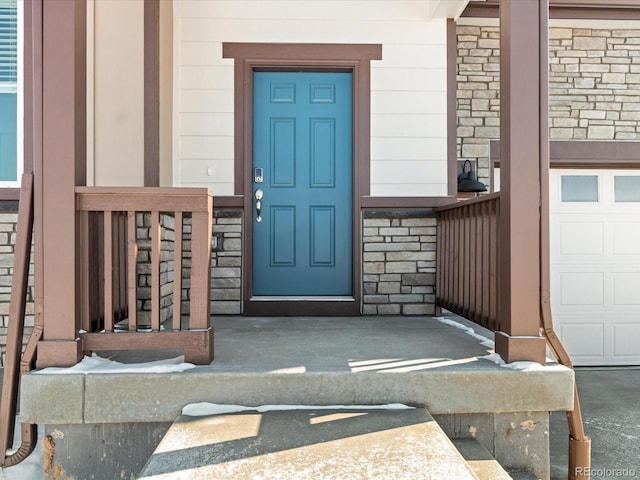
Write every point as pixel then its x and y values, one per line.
pixel 8 91
pixel 8 42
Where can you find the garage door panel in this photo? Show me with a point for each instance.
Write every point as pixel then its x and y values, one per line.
pixel 626 238
pixel 625 288
pixel 625 340
pixel 581 288
pixel 583 339
pixel 581 238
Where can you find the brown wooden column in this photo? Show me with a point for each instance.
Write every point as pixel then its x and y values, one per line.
pixel 151 93
pixel 61 166
pixel 523 79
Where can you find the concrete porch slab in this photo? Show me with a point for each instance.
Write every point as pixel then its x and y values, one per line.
pixel 416 361
pixel 302 444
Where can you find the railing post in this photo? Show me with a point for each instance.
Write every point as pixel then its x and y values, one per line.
pixel 523 63
pixel 61 167
pixel 200 304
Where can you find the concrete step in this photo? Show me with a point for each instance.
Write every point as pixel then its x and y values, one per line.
pixel 308 444
pixel 480 460
pixel 521 475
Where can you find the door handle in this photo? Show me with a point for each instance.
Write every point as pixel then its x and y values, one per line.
pixel 259 194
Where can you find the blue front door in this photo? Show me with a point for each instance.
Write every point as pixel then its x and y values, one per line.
pixel 302 158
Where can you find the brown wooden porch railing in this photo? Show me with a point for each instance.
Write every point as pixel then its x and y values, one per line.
pixel 129 235
pixel 467 281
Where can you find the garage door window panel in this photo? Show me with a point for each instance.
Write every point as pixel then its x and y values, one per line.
pixel 627 188
pixel 579 188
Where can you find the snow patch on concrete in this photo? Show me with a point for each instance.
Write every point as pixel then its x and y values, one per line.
pixel 96 364
pixel 484 341
pixel 522 366
pixel 203 409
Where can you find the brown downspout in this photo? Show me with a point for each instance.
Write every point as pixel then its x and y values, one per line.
pixel 579 443
pixel 13 372
pixel 29 431
pixel 32 161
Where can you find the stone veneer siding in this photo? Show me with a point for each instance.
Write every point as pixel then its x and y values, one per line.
pixel 594 87
pixel 167 240
pixel 226 266
pixel 226 271
pixel 226 263
pixel 8 223
pixel 399 257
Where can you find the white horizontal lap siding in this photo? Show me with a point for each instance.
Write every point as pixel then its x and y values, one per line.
pixel 409 119
pixel 408 87
pixel 117 106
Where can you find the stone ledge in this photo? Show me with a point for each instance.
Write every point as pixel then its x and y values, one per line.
pixel 472 386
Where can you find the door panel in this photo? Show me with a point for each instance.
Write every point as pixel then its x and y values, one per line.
pixel 302 245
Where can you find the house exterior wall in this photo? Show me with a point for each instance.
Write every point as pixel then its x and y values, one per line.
pixel 594 95
pixel 408 87
pixel 116 86
pixel 594 86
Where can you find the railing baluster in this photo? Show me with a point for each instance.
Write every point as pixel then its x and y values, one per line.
pixel 132 274
pixel 450 252
pixel 441 264
pixel 493 270
pixel 85 288
pixel 116 265
pixel 155 270
pixel 99 255
pixel 200 269
pixel 497 262
pixel 486 259
pixel 108 271
pixel 177 272
pixel 466 226
pixel 473 259
pixel 455 244
pixel 122 277
pixel 444 249
pixel 460 254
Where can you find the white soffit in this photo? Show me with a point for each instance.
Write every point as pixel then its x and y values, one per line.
pixel 447 8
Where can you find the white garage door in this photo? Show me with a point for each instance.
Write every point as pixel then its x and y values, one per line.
pixel 595 264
